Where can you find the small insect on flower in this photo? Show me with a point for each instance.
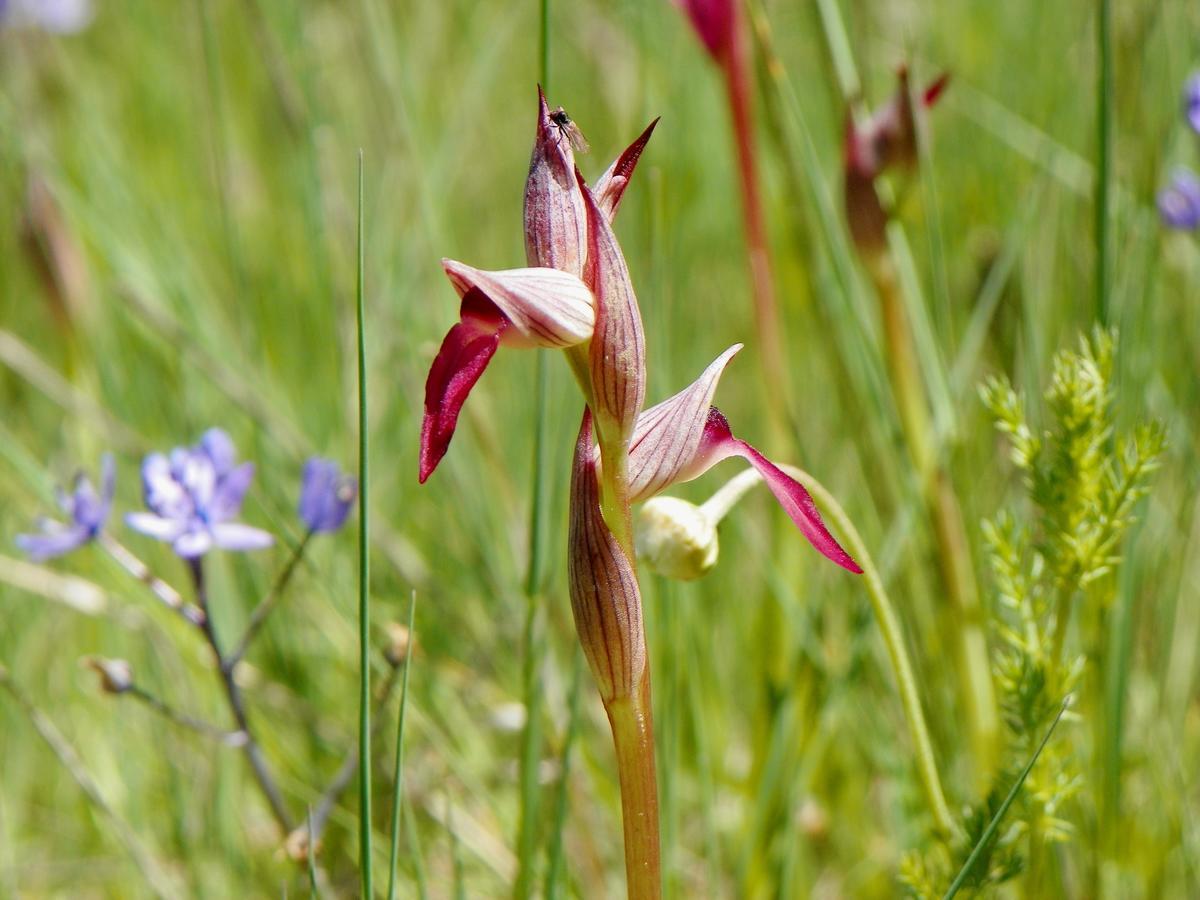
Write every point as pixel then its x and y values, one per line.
pixel 568 129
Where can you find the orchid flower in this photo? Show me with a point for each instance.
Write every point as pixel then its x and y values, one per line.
pixel 577 295
pixel 684 436
pixel 887 139
pixel 549 304
pixel 87 510
pixel 193 494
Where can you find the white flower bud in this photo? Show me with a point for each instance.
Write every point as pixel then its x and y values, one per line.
pixel 116 675
pixel 676 539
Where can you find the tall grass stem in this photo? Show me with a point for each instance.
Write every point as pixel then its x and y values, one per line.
pixel 531 738
pixel 1104 142
pixel 364 572
pixel 398 771
pixel 989 832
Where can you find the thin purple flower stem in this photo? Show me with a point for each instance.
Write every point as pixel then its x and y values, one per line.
pixel 139 570
pixel 268 604
pixel 160 706
pixel 237 705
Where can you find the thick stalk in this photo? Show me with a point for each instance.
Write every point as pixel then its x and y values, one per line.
pixel 893 639
pixel 945 514
pixel 629 715
pixel 633 739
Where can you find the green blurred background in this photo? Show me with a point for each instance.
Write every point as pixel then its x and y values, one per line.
pixel 201 158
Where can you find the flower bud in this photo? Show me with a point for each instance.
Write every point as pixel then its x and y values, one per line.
pixel 555 218
pixel 399 644
pixel 297 844
pixel 116 675
pixel 676 539
pixel 605 600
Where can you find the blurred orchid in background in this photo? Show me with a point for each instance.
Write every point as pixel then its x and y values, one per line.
pixel 87 510
pixel 193 495
pixel 718 24
pixel 326 495
pixel 55 16
pixel 1179 201
pixel 887 139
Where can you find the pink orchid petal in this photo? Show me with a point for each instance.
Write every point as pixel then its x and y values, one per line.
pixel 605 600
pixel 618 348
pixel 546 307
pixel 610 187
pixel 465 353
pixel 555 218
pixel 667 436
pixel 719 443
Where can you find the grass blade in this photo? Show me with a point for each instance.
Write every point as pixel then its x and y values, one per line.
pixel 1104 138
pixel 398 774
pixel 313 890
pixel 990 831
pixel 531 738
pixel 554 866
pixel 364 612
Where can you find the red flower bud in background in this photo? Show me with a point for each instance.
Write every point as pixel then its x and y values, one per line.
pixel 714 21
pixel 887 139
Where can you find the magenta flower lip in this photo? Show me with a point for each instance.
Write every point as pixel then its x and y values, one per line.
pixel 685 436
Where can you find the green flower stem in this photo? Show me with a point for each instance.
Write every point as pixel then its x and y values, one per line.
pixel 893 638
pixel 945 514
pixel 633 738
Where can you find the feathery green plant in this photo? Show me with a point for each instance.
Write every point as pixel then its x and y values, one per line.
pixel 1053 557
